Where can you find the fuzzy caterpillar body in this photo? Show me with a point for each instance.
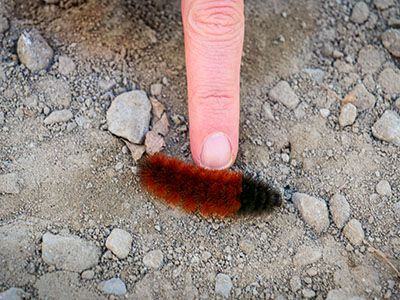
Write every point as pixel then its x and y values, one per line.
pixel 219 193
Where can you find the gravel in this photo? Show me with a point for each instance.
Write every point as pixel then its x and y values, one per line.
pixel 9 184
pixel 66 65
pixel 156 89
pixel 223 285
pixel 56 92
pixel 354 232
pixel 348 114
pixel 340 210
pixel 69 252
pixel 391 41
pixel 312 210
pixel 387 128
pixel 3 25
pixel 113 286
pixel 360 13
pixel 33 51
pixel 154 259
pixel 284 94
pixel 129 116
pixel 57 116
pixel 119 242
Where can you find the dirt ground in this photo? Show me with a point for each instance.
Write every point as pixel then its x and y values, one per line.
pixel 76 178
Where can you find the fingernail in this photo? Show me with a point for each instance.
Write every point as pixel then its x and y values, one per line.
pixel 216 152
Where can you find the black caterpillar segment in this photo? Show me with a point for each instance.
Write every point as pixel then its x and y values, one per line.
pixel 257 196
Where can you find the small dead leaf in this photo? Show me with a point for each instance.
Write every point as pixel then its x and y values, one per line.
pixel 158 107
pixel 153 142
pixel 162 125
pixel 136 150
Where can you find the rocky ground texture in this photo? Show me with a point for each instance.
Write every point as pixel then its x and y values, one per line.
pixel 320 120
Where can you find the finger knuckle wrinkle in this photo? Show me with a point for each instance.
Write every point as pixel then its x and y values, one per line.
pixel 218 20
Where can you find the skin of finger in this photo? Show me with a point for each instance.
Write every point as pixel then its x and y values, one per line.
pixel 214 33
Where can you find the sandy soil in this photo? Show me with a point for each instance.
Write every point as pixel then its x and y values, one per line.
pixel 70 180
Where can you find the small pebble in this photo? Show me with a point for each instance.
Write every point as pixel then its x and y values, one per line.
pixel 383 188
pixel 324 112
pixel 307 293
pixel 153 259
pixel 347 115
pixel 306 255
pixel 113 286
pixel 9 184
pixel 340 210
pixel 387 128
pixel 391 41
pixel 354 232
pixel 389 81
pixel 119 242
pixel 4 26
pixel 33 51
pixel 223 285
pixel 65 65
pixel 156 89
pixel 314 211
pixel 284 94
pixel 88 274
pixel 360 13
pixel 58 116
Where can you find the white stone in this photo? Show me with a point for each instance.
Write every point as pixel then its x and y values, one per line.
pixel 119 242
pixel 113 286
pixel 348 114
pixel 387 128
pixel 353 232
pixel 129 116
pixel 284 94
pixel 59 116
pixel 223 285
pixel 306 255
pixel 153 259
pixel 312 210
pixel 69 252
pixel 383 188
pixel 33 51
pixel 324 112
pixel 340 210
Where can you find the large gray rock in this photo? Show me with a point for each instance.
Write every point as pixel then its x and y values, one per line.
pixel 312 210
pixel 391 41
pixel 387 128
pixel 223 285
pixel 33 51
pixel 119 242
pixel 129 116
pixel 69 252
pixel 284 94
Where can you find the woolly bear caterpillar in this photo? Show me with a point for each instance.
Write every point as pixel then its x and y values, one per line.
pixel 219 193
